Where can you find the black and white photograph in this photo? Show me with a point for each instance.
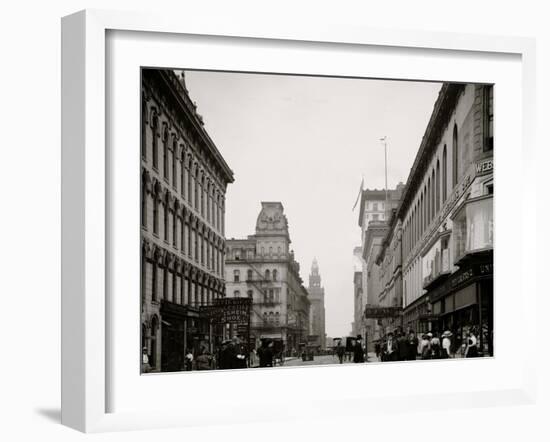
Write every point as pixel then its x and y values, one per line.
pixel 293 220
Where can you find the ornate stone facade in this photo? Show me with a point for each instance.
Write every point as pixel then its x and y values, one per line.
pixel 263 268
pixel 183 184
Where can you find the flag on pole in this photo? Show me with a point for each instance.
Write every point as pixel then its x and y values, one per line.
pixel 359 194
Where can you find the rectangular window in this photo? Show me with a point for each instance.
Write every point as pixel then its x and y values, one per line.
pixel 488 118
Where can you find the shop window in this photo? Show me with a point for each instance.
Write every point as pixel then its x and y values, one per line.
pixel 473 227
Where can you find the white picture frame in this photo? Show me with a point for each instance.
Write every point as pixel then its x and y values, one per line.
pixel 86 313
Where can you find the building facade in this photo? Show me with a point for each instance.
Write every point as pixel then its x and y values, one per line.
pixel 262 267
pixel 317 308
pixel 183 183
pixel 446 219
pixel 377 207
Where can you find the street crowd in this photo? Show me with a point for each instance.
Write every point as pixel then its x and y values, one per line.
pixel 401 346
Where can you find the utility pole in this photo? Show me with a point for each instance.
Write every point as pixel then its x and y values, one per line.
pixel 383 139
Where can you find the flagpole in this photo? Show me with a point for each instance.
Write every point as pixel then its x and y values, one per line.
pixel 383 139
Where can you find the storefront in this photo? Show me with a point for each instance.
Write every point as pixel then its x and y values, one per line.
pixel 418 316
pixel 464 302
pixel 182 328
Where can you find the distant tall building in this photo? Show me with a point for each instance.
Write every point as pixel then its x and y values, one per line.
pixel 358 325
pixel 262 267
pixel 317 309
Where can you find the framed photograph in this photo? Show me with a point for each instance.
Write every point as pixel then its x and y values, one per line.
pixel 253 214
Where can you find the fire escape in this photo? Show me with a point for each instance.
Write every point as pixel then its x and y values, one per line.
pixel 259 284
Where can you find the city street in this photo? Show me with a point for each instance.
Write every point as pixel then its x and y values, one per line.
pixel 323 360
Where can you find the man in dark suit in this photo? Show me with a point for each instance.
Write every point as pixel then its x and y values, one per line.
pixel 358 353
pixel 390 350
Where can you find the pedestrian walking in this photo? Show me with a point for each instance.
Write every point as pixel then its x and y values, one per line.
pixel 412 346
pixel 227 355
pixel 188 360
pixel 402 346
pixel 390 350
pixel 340 352
pixel 265 353
pixel 145 366
pixel 358 353
pixel 446 344
pixel 435 346
pixel 425 350
pixel 377 350
pixel 204 360
pixel 471 346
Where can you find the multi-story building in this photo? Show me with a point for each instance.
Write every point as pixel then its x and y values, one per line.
pixel 390 278
pixel 376 209
pixel 317 308
pixel 262 267
pixel 372 245
pixel 358 326
pixel 183 183
pixel 446 218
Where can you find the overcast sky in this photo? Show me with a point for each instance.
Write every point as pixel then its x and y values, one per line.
pixel 307 141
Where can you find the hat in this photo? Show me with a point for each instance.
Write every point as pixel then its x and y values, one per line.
pixel 145 348
pixel 446 334
pixel 227 341
pixel 429 334
pixel 359 337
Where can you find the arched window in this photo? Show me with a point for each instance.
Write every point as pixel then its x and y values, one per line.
pixel 166 219
pixel 174 285
pixel 174 164
pixel 456 156
pixel 444 182
pixel 155 214
pixel 143 128
pixel 154 277
pixel 237 294
pixel 429 202
pixel 277 318
pixel 144 203
pixel 437 188
pixel 432 188
pixel 189 182
pixel 274 274
pixel 267 275
pixel 165 282
pixel 143 276
pixel 155 129
pixel 182 174
pixel 165 155
pixel 249 293
pixel 175 228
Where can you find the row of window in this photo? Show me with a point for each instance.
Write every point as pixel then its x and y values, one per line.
pixel 435 191
pixel 268 275
pixel 194 243
pixel 161 282
pixel 190 183
pixel 237 253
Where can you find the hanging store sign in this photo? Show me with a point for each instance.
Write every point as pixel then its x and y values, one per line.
pixel 383 312
pixel 233 310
